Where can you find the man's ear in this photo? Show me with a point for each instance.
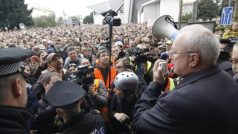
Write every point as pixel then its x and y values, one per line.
pixel 194 59
pixel 59 112
pixel 17 87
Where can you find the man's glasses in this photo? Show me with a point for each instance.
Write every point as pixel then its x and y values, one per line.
pixel 172 52
pixel 234 60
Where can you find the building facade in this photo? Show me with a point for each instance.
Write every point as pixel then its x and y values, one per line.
pixel 138 11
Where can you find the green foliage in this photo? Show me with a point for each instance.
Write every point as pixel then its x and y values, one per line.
pixel 88 19
pixel 60 21
pixel 13 12
pixel 45 21
pixel 186 17
pixel 207 9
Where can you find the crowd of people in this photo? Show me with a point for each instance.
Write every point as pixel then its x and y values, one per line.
pixel 64 80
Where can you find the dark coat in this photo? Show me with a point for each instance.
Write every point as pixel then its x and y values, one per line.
pixel 236 80
pixel 14 120
pixel 204 102
pixel 126 106
pixel 84 123
pixel 44 120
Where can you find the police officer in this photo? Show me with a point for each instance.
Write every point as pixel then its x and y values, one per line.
pixel 13 92
pixel 67 98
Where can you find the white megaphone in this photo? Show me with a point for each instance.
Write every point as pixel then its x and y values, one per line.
pixel 164 26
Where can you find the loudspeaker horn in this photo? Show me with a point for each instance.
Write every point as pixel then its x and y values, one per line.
pixel 165 26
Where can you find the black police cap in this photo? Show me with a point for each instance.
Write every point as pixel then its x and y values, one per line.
pixel 10 59
pixel 63 94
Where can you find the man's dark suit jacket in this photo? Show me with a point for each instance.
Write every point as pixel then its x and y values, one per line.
pixel 204 102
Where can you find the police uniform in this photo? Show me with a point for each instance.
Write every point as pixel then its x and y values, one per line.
pixel 65 95
pixel 13 119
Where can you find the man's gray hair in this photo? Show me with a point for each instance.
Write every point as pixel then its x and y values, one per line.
pixel 197 38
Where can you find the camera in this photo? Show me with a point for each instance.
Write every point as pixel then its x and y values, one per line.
pixel 163 66
pixel 109 18
pixel 84 70
pixel 83 76
pixel 141 55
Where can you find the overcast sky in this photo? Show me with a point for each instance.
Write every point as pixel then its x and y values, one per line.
pixel 70 7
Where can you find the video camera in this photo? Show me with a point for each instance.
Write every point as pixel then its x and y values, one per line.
pixel 141 55
pixel 225 54
pixel 109 18
pixel 83 76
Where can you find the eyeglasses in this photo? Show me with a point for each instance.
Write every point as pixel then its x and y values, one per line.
pixel 234 60
pixel 172 52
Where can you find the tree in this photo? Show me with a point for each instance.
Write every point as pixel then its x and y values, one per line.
pixel 60 21
pixel 207 9
pixel 45 21
pixel 187 17
pixel 88 19
pixel 13 12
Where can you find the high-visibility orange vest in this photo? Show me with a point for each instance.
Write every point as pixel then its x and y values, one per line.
pixel 98 75
pixel 104 110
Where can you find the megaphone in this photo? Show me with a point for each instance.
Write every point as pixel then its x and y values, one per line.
pixel 165 26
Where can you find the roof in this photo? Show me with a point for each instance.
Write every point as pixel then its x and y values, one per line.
pixel 107 5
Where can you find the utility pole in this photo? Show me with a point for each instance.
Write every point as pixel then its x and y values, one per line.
pixel 235 14
pixel 195 11
pixel 180 12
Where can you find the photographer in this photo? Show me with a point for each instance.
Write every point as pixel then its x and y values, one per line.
pixel 96 91
pixel 143 67
pixel 223 60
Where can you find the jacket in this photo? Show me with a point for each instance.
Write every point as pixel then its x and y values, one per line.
pixel 84 123
pixel 14 120
pixel 98 75
pixel 122 105
pixel 204 102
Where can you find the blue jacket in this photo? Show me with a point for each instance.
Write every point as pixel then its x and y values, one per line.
pixel 204 102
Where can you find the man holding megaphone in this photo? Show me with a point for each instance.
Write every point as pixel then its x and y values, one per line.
pixel 204 102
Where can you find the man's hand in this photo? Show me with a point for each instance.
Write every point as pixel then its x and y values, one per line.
pixel 92 90
pixel 51 69
pixel 158 74
pixel 121 117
